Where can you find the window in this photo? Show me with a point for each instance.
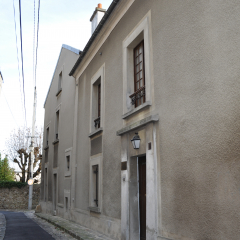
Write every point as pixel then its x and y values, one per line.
pixel 57 125
pixel 97 101
pixel 68 163
pixel 138 97
pixel 95 184
pixel 97 121
pixel 47 136
pixel 95 191
pixel 46 183
pixel 67 170
pixel 137 65
pixel 60 81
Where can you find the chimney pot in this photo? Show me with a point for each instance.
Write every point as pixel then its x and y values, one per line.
pixel 99 5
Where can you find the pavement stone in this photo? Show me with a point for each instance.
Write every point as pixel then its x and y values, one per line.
pixel 2 226
pixel 75 230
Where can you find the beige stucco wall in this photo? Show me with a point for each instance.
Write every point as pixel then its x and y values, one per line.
pixel 195 58
pixel 65 101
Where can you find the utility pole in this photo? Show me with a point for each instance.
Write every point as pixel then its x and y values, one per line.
pixel 32 149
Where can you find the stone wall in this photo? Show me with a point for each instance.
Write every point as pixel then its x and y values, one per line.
pixel 17 198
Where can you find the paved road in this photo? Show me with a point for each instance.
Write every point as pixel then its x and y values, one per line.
pixel 19 227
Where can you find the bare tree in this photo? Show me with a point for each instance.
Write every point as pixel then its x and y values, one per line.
pixel 19 152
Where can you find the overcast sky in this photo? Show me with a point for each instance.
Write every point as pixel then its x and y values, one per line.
pixel 61 22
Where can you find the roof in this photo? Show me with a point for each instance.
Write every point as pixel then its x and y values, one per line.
pixel 94 35
pixel 74 50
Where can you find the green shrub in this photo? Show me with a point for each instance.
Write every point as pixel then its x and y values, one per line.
pixel 10 184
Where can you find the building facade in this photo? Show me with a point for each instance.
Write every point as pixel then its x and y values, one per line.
pixel 167 71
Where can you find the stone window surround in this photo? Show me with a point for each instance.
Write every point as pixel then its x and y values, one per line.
pixel 99 74
pixel 68 152
pixel 95 160
pixel 141 32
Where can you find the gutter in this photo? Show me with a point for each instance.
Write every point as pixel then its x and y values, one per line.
pixel 94 35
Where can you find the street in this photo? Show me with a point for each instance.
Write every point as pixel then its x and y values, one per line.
pixel 26 226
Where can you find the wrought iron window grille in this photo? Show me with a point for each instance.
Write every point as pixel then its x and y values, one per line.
pixel 97 122
pixel 137 95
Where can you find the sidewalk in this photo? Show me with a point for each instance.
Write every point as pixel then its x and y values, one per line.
pixel 75 230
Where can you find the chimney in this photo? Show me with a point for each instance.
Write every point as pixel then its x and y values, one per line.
pixel 97 16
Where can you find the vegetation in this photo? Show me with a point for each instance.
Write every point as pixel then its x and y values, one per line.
pixel 6 173
pixel 18 150
pixel 10 184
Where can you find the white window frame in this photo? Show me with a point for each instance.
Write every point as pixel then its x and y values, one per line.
pixel 140 32
pixel 93 100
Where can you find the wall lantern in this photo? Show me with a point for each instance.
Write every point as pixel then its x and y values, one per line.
pixel 136 141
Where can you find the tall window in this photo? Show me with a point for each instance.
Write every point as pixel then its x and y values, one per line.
pixel 138 97
pixel 57 124
pixel 99 104
pixel 95 184
pixel 47 136
pixel 97 121
pixel 60 81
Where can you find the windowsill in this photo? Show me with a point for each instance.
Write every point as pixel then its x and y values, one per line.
pixel 55 142
pixel 94 209
pixel 46 148
pixel 67 174
pixel 60 205
pixel 137 109
pixel 99 130
pixel 59 91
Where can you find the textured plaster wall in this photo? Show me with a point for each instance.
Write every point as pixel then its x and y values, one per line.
pixel 196 67
pixel 66 99
pixel 196 72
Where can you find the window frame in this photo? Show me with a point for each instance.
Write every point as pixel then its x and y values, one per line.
pixel 142 31
pixel 97 115
pixel 95 161
pixel 68 153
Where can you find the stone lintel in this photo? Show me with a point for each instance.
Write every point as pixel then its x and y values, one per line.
pixel 140 123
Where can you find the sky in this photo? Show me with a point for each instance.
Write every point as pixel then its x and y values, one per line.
pixel 60 22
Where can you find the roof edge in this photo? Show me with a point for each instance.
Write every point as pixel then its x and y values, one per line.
pixel 74 50
pixel 94 35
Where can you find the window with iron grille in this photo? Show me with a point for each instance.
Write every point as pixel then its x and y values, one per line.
pixel 137 68
pixel 138 97
pixel 97 91
pixel 97 121
pixel 95 176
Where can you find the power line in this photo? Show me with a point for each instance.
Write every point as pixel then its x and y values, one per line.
pixel 17 56
pixel 10 109
pixel 22 56
pixel 33 39
pixel 37 40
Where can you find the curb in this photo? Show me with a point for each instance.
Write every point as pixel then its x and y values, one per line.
pixel 73 229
